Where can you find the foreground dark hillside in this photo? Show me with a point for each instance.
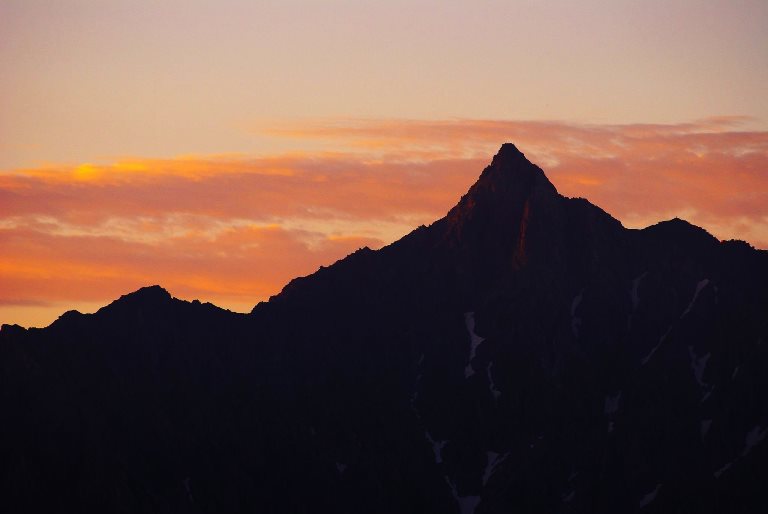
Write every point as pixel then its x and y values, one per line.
pixel 526 353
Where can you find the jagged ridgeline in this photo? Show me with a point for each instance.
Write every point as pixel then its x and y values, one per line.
pixel 525 353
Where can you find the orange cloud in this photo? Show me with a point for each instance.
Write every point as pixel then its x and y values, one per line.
pixel 709 171
pixel 237 266
pixel 235 229
pixel 313 186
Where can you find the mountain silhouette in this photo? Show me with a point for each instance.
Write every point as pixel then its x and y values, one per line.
pixel 525 353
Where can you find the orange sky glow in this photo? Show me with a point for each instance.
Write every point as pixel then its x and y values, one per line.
pixel 234 229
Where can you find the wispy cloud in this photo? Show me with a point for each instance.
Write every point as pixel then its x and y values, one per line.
pixel 712 171
pixel 234 229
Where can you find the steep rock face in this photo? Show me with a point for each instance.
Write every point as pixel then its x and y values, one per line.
pixel 526 353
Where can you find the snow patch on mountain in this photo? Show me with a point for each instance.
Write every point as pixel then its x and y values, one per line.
pixel 467 504
pixel 491 386
pixel 493 459
pixel 612 403
pixel 634 291
pixel 653 350
pixel 698 365
pixel 723 469
pixel 437 447
pixel 752 439
pixel 754 436
pixel 699 287
pixel 575 320
pixel 188 490
pixel 474 342
pixel 648 498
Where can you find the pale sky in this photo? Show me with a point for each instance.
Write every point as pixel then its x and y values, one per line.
pixel 92 81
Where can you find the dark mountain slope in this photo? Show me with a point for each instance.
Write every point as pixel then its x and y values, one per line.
pixel 526 353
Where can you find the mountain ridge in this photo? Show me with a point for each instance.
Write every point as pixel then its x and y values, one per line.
pixel 526 354
pixel 507 156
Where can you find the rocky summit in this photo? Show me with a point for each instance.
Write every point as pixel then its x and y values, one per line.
pixel 526 353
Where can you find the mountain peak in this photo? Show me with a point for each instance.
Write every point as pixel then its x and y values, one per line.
pixel 506 194
pixel 149 295
pixel 506 153
pixel 510 174
pixel 510 164
pixel 678 230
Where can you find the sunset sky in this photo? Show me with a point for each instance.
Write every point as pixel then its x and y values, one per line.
pixel 220 148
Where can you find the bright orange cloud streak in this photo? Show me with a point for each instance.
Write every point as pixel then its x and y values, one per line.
pixel 234 230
